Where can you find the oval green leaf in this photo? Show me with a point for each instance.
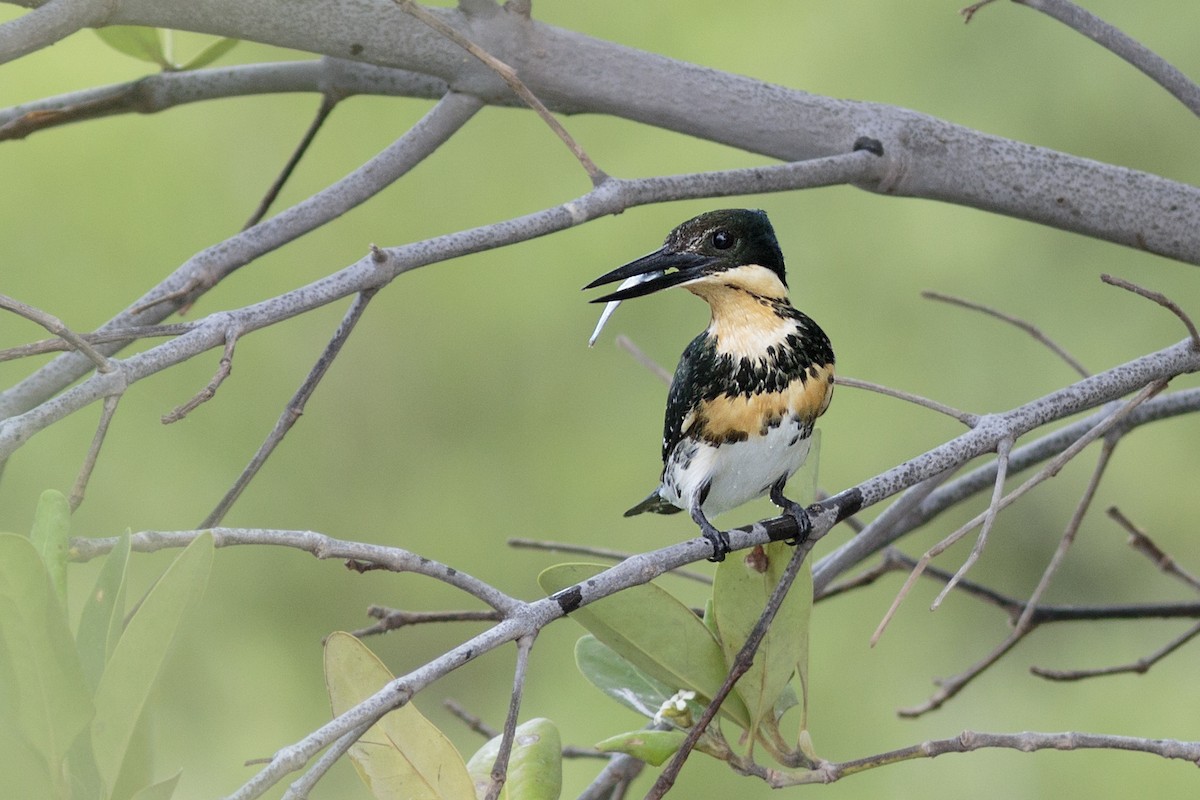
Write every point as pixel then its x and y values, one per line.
pixel 653 747
pixel 617 678
pixel 403 756
pixel 534 765
pixel 653 631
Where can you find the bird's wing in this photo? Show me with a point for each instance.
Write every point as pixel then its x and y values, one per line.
pixel 685 392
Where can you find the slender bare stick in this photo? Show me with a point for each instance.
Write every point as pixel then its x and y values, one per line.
pixel 302 786
pixel 107 409
pixel 509 76
pixel 224 368
pixel 1141 666
pixel 58 328
pixel 968 741
pixel 1123 45
pixel 1028 327
pixel 1048 471
pixel 294 409
pixel 950 687
pixel 391 619
pixel 989 520
pixel 1069 534
pixel 966 418
pixel 57 345
pixel 500 767
pixel 1162 300
pixel 328 101
pixel 659 371
pixel 472 721
pixel 1142 543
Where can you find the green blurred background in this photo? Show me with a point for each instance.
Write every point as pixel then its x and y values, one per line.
pixel 468 409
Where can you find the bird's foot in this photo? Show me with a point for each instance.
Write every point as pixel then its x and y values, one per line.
pixel 794 510
pixel 720 543
pixel 803 523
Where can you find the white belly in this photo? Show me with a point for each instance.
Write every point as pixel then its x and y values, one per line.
pixel 739 471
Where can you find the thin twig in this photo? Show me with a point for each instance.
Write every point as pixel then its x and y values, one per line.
pixel 989 520
pixel 1162 300
pixel 509 76
pixel 1028 327
pixel 966 418
pixel 1142 543
pixel 391 619
pixel 639 355
pixel 612 781
pixel 300 788
pixel 597 552
pixel 500 767
pixel 1069 533
pixel 470 720
pixel 294 409
pixel 79 489
pixel 58 345
pixel 328 101
pixel 224 368
pixel 58 328
pixel 1124 46
pixel 894 560
pixel 968 741
pixel 1051 469
pixel 948 688
pixel 1141 666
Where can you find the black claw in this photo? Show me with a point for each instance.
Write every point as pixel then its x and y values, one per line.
pixel 803 523
pixel 720 544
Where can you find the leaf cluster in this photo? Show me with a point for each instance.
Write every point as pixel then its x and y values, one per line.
pixel 74 718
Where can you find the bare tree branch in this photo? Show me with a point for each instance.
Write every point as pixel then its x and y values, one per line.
pixel 1115 41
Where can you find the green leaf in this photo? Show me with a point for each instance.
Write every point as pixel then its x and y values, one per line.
pixel 534 766
pixel 103 614
pixel 211 53
pixel 51 530
pixel 161 790
pixel 44 700
pixel 403 756
pixel 144 44
pixel 741 589
pixel 653 747
pixel 617 678
pixel 653 631
pixel 740 593
pixel 138 657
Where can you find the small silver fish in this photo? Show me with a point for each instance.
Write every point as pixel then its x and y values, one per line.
pixel 611 306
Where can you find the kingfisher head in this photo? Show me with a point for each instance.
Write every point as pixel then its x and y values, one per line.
pixel 729 249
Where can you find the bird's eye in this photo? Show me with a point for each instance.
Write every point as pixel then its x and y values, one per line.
pixel 722 240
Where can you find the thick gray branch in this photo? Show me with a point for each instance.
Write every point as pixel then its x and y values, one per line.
pixel 570 72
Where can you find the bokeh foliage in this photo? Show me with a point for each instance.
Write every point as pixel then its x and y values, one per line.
pixel 467 408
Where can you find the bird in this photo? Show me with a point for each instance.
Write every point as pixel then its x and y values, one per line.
pixel 749 388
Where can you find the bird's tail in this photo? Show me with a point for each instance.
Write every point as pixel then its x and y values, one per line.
pixel 654 504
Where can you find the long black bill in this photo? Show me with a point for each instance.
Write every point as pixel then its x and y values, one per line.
pixel 659 270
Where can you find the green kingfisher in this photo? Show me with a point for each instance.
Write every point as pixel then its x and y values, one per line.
pixel 747 391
